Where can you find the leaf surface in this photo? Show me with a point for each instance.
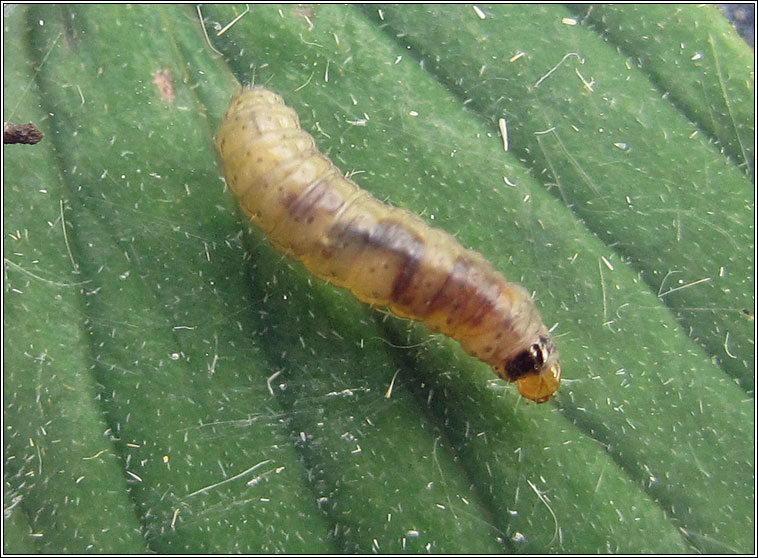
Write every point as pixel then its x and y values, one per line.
pixel 173 384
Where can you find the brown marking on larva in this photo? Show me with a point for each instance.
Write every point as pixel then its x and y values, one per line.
pixel 288 199
pixel 442 299
pixel 162 79
pixel 340 235
pixel 403 281
pixel 468 301
pixel 385 256
pixel 303 206
pixel 393 237
pixel 315 199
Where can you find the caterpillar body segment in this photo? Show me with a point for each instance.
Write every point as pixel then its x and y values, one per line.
pixel 386 256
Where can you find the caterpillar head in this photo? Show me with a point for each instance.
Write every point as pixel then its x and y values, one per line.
pixel 536 370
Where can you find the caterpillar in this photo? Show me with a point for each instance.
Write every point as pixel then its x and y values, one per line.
pixel 387 256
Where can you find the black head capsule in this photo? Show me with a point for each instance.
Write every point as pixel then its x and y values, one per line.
pixel 536 370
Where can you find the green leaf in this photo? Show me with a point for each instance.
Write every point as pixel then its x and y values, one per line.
pixel 712 84
pixel 173 384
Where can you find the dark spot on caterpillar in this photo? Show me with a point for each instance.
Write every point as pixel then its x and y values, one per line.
pixel 526 362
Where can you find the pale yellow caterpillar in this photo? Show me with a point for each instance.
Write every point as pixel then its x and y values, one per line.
pixel 385 255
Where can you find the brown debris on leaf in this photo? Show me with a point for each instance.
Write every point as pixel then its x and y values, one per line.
pixel 21 133
pixel 162 79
